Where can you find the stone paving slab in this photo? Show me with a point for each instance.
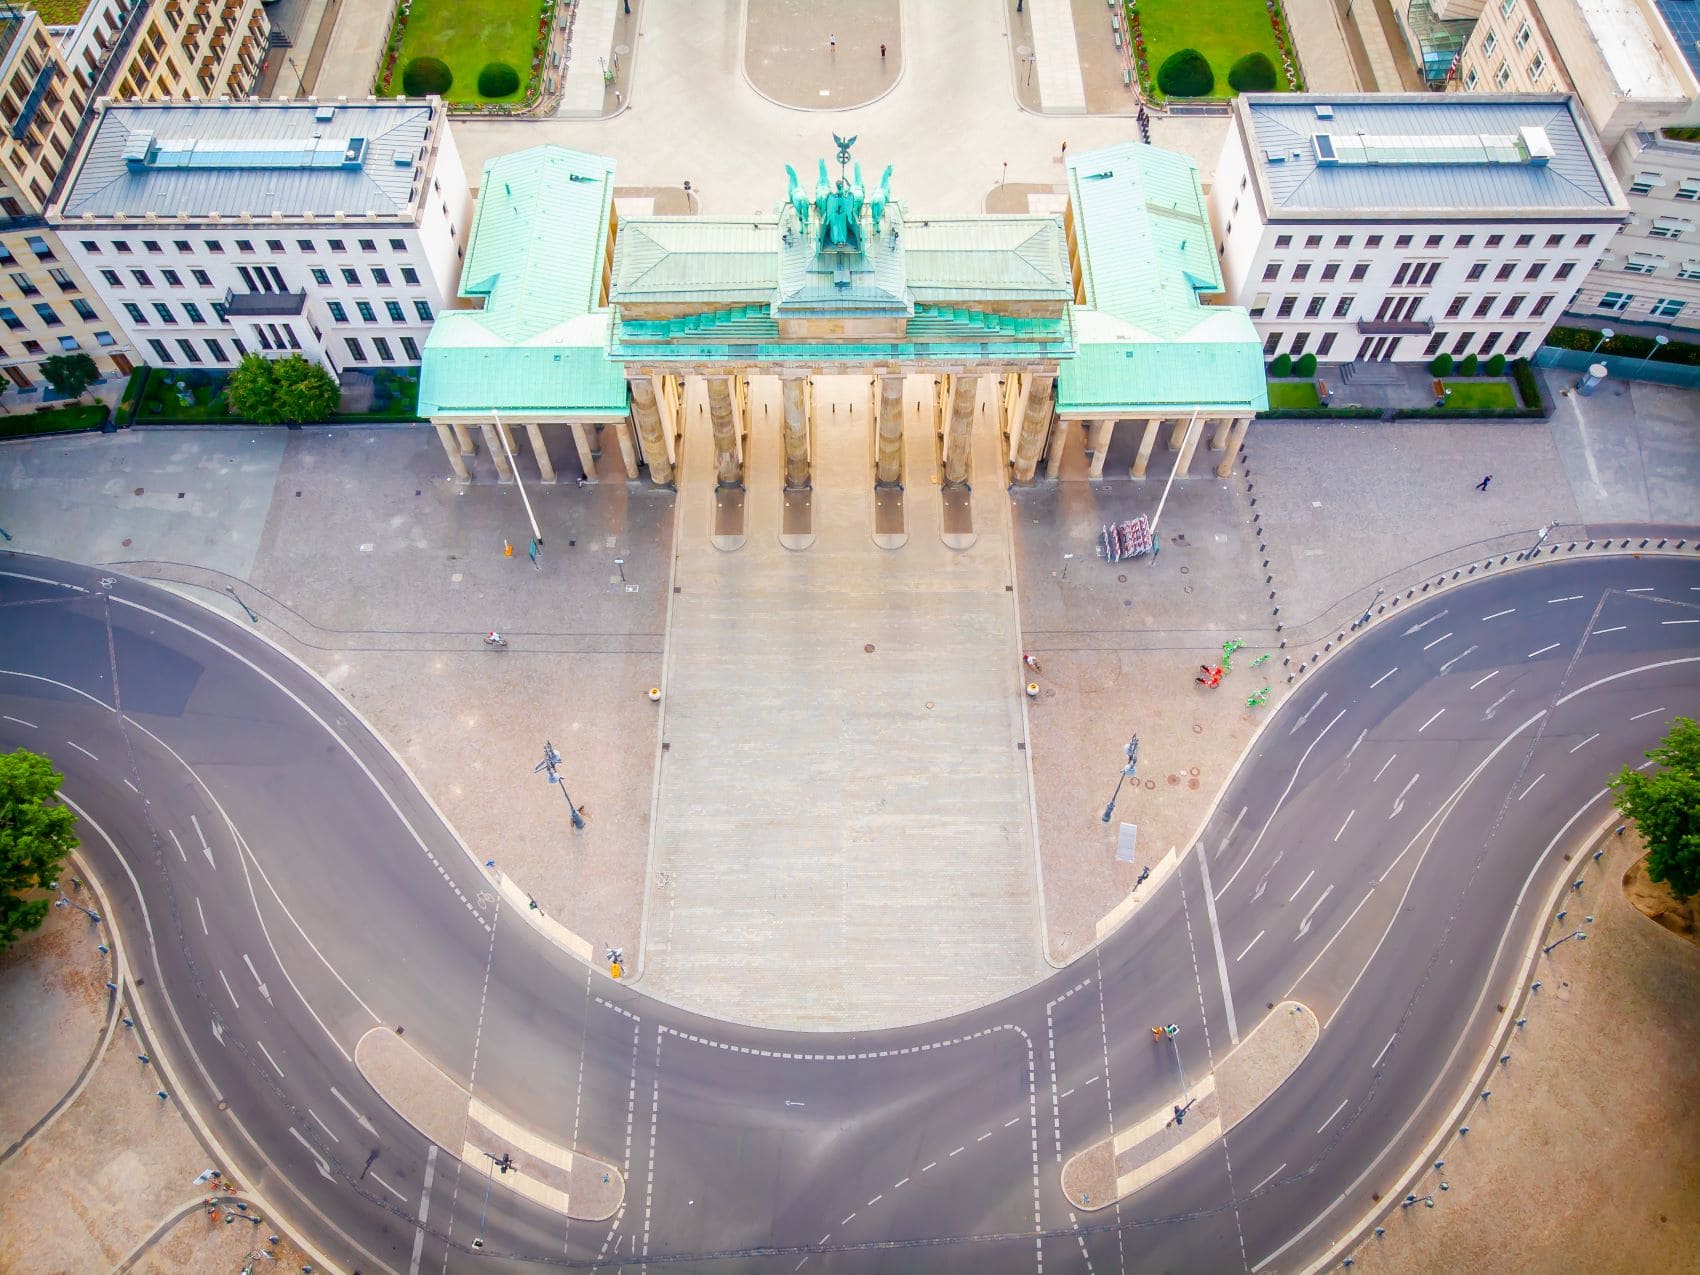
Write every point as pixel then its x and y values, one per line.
pixel 584 91
pixel 787 59
pixel 1056 57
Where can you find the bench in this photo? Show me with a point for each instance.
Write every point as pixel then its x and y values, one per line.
pixel 1440 391
pixel 1322 391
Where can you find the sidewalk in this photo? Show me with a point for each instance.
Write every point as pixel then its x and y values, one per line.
pixel 1323 53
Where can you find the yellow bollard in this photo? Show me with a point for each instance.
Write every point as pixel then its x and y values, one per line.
pixel 614 970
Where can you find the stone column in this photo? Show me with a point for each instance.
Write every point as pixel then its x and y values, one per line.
pixel 1236 436
pixel 1178 433
pixel 498 453
pixel 1059 444
pixel 726 467
pixel 463 437
pixel 888 468
pixel 451 449
pixel 959 431
pixel 1219 435
pixel 1101 431
pixel 1146 443
pixel 535 433
pixel 794 394
pixel 628 453
pixel 1188 446
pixel 651 436
pixel 1035 426
pixel 586 453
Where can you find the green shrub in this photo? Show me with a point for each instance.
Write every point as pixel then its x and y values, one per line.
pixel 1282 366
pixel 424 76
pixel 1441 365
pixel 1185 73
pixel 1496 365
pixel 1629 347
pixel 1471 366
pixel 497 79
pixel 1528 386
pixel 1306 366
pixel 1254 73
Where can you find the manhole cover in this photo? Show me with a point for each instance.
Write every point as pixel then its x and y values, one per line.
pixel 140 490
pixel 1150 783
pixel 128 542
pixel 1192 783
pixel 1186 588
pixel 1186 571
pixel 929 703
pixel 1121 579
pixel 869 648
pixel 1193 772
pixel 1198 728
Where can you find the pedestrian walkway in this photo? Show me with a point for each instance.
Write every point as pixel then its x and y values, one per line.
pixel 1056 56
pixel 584 91
pixel 1323 54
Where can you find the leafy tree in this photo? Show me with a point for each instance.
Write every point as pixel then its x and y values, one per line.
pixel 35 837
pixel 1282 366
pixel 1441 365
pixel 1665 805
pixel 1185 73
pixel 497 79
pixel 1254 73
pixel 70 374
pixel 281 391
pixel 1496 365
pixel 422 77
pixel 1471 366
pixel 1306 365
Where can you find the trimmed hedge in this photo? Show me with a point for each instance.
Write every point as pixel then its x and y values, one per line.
pixel 54 420
pixel 1321 414
pixel 1471 366
pixel 1496 365
pixel 1305 366
pixel 1470 414
pixel 1633 347
pixel 1282 366
pixel 498 79
pixel 1185 73
pixel 1254 73
pixel 424 76
pixel 1529 387
pixel 1440 365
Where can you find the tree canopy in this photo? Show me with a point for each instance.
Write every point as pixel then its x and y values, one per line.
pixel 281 391
pixel 70 373
pixel 1665 805
pixel 35 837
pixel 1185 73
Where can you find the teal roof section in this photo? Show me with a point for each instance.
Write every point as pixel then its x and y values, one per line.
pixel 1147 342
pixel 540 343
pixel 695 259
pixel 1002 258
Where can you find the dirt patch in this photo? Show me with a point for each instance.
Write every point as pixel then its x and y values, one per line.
pixel 201 1243
pixel 1264 1059
pixel 1653 899
pixel 421 1094
pixel 1091 1175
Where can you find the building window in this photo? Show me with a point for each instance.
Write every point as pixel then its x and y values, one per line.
pixel 336 246
pixel 215 350
pixel 89 246
pixel 1689 270
pixel 1541 304
pixel 1433 346
pixel 63 278
pixel 1523 34
pixel 1666 308
pixel 1502 77
pixel 1313 307
pixel 244 245
pixel 10 318
pixel 152 246
pixel 1329 270
pixel 1343 306
pixel 201 277
pixel 1534 270
pixel 84 310
pixel 218 310
pixel 141 278
pixel 1464 241
pixel 189 350
pixel 306 245
pixel 215 247
pixel 1489 344
pixel 423 310
pixel 24 284
pixel 1582 241
pixel 1463 342
pixel 32 347
pixel 1456 308
pixel 1477 271
pixel 1523 241
pixel 159 350
pixel 1643 263
pixel 105 338
pixel 1283 241
pixel 410 349
pixel 121 245
pixel 1403 241
pixel 1564 270
pixel 367 314
pixel 321 277
pixel 275 245
pixel 1645 182
pixel 47 314
pixel 383 348
pixel 1505 7
pixel 380 276
pixel 1537 64
pixel 1669 228
pixel 1490 43
pixel 351 277
pixel 1485 304
pixel 135 313
pixel 39 247
pixel 1300 340
pixel 68 344
pixel 164 312
pixel 1513 305
pixel 354 350
pixel 172 278
pixel 1516 343
pixel 1433 241
pixel 1617 302
pixel 409 275
pixel 192 312
pixel 1359 270
pixel 1325 345
pixel 1285 309
pixel 368 245
pixel 1301 270
pixel 393 309
pixel 338 314
pixel 1504 272
pixel 1471 79
pixel 111 278
pixel 1690 188
pixel 1271 272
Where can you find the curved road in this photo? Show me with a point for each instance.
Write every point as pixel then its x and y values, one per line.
pixel 1384 854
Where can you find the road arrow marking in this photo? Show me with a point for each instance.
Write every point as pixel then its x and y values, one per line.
pixel 1399 801
pixel 205 848
pixel 1304 925
pixel 1309 711
pixel 1415 627
pixel 318 1160
pixel 790 1103
pixel 256 974
pixel 1449 663
pixel 1491 707
pixel 218 1030
pixel 358 1118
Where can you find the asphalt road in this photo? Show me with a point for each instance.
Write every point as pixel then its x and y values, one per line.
pixel 1385 855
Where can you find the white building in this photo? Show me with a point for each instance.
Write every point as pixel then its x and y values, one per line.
pixel 1651 272
pixel 1397 226
pixel 212 230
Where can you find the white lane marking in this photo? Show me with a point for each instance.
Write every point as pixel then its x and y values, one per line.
pixel 1284 794
pixel 1587 741
pixel 205 848
pixel 1399 801
pixel 1497 614
pixel 1349 815
pixel 1249 946
pixel 1304 925
pixel 1648 713
pixel 1384 766
pixel 1232 828
pixel 1431 721
pixel 1360 739
pixel 1646 588
pixel 1337 1111
pixel 179 845
pixel 1417 627
pixel 398 1195
pixel 1531 787
pixel 1266 1181
pixel 848 1220
pixel 1574 597
pixel 1616 628
pixel 1216 941
pixel 258 981
pixel 1309 711
pixel 933 1165
pixel 896 1186
pixel 323 1125
pixel 227 988
pixel 1006 1125
pixel 318 1160
pixel 987 1134
pixel 1480 680
pixel 203 915
pixel 958 1151
pixel 1550 646
pixel 424 1208
pixel 132 787
pixel 269 1058
pixel 20 721
pixel 1302 884
pixel 86 753
pixel 1378 681
pixel 870 1204
pixel 1437 641
pixel 358 1118
pixel 1384 1049
pixel 1661 622
pixel 1449 663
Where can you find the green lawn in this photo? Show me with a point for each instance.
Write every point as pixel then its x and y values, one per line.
pixel 53 421
pixel 1224 31
pixel 1293 394
pixel 467 34
pixel 1475 395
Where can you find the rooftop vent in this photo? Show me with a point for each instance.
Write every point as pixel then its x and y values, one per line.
pixel 138 149
pixel 1537 144
pixel 1324 111
pixel 325 114
pixel 1325 152
pixel 1275 156
pixel 404 159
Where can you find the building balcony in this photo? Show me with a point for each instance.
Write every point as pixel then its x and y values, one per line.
pixel 257 305
pixel 1395 327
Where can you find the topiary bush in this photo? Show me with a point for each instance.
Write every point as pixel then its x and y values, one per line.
pixel 1254 73
pixel 1306 365
pixel 1282 366
pixel 1471 366
pixel 1441 365
pixel 1496 365
pixel 497 79
pixel 1186 74
pixel 424 76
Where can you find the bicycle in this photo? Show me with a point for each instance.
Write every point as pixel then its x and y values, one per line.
pixel 495 640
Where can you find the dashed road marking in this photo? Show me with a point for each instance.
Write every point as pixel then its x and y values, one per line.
pixel 1302 884
pixel 269 1058
pixel 1574 597
pixel 1431 721
pixel 1437 641
pixel 203 917
pixel 1349 815
pixel 1266 1181
pixel 1531 787
pixel 1494 616
pixel 1337 1111
pixel 1587 741
pixel 86 753
pixel 1616 628
pixel 1253 943
pixel 1648 713
pixel 1550 646
pixel 1384 766
pixel 1378 681
pixel 1480 680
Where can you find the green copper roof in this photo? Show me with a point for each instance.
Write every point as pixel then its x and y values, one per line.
pixel 695 259
pixel 988 258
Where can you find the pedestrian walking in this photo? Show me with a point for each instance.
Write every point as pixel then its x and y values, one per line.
pixel 832 42
pixel 1031 661
pixel 1483 485
pixel 882 55
pixel 1065 150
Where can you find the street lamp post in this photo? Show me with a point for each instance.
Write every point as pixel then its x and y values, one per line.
pixel 1540 538
pixel 504 1163
pixel 1606 334
pixel 1132 751
pixel 1368 607
pixel 1659 343
pixel 1547 950
pixel 551 760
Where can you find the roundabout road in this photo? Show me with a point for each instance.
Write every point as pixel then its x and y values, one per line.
pixel 1384 854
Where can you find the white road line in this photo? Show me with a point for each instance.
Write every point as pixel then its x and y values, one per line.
pixel 958 1151
pixel 1646 588
pixel 1384 1049
pixel 1431 721
pixel 1337 1111
pixel 1349 815
pixel 1232 828
pixel 896 1186
pixel 1437 641
pixel 1378 681
pixel 1302 884
pixel 86 753
pixel 226 983
pixel 398 1195
pixel 1587 741
pixel 203 915
pixel 424 1208
pixel 1480 680
pixel 1616 628
pixel 179 845
pixel 1550 646
pixel 986 1135
pixel 1266 1181
pixel 1384 766
pixel 848 1220
pixel 1399 801
pixel 20 721
pixel 1360 739
pixel 1249 946
pixel 1497 614
pixel 269 1058
pixel 1284 794
pixel 1574 597
pixel 1661 622
pixel 870 1204
pixel 1449 663
pixel 132 787
pixel 1216 940
pixel 1531 787
pixel 205 848
pixel 1007 1123
pixel 322 1124
pixel 1302 720
pixel 933 1165
pixel 1304 925
pixel 1648 713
